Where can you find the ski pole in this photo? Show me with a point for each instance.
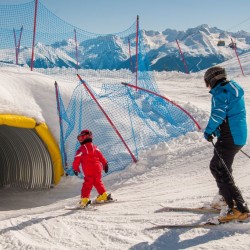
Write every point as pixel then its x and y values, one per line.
pixel 224 164
pixel 245 154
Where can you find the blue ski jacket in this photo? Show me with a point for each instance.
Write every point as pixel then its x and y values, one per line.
pixel 228 113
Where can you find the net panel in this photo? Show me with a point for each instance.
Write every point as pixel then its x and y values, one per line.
pixel 103 61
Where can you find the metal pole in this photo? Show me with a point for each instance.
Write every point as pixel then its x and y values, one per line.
pixel 19 43
pixel 131 63
pixel 60 123
pixel 245 153
pixel 15 45
pixel 224 164
pixel 76 51
pixel 226 168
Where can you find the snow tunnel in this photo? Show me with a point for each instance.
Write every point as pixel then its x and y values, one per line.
pixel 29 156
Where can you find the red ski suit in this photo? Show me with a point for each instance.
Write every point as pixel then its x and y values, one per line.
pixel 93 162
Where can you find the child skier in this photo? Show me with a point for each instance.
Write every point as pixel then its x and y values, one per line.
pixel 227 122
pixel 93 162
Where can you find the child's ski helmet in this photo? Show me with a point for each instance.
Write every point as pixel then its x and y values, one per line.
pixel 85 134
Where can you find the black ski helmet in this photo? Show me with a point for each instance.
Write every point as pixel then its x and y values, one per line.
pixel 213 75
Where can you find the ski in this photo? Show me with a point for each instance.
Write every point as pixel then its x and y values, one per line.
pixel 88 208
pixel 179 226
pixel 95 203
pixel 188 209
pixel 209 223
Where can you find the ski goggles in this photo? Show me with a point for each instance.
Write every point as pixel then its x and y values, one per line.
pixel 83 135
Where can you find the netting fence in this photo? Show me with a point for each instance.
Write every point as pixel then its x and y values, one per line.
pixel 124 120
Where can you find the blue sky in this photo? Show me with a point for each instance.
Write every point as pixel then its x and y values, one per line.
pixel 110 16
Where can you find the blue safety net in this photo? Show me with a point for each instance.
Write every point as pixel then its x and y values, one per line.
pixel 123 120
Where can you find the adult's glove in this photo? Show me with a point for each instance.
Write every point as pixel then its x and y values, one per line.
pixel 208 137
pixel 106 168
pixel 216 133
pixel 76 173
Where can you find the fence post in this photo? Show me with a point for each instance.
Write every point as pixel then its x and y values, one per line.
pixel 136 52
pixel 61 127
pixel 76 50
pixel 183 58
pixel 17 45
pixel 131 63
pixel 34 36
pixel 234 46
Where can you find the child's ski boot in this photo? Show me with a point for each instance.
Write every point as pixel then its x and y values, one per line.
pixel 105 197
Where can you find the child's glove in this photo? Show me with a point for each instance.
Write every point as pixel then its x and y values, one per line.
pixel 106 168
pixel 69 171
pixel 76 173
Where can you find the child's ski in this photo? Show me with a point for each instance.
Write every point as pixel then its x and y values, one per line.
pixel 95 203
pixel 80 208
pixel 90 206
pixel 77 207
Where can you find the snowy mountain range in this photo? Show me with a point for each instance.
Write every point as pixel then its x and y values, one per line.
pixel 202 47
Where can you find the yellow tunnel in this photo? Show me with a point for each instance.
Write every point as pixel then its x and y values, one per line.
pixel 29 155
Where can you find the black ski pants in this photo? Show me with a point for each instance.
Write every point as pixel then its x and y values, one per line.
pixel 223 174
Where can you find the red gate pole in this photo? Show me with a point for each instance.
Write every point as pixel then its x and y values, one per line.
pixel 183 59
pixel 136 52
pixel 107 117
pixel 76 51
pixel 163 97
pixel 234 46
pixel 61 127
pixel 34 37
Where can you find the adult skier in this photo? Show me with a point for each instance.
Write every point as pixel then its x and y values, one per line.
pixel 227 122
pixel 93 162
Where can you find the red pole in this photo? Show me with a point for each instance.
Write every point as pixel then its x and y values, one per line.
pixel 60 123
pixel 137 41
pixel 183 59
pixel 234 46
pixel 34 37
pixel 107 117
pixel 76 51
pixel 151 92
pixel 131 63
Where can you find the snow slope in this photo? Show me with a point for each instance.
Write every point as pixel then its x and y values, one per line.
pixel 174 173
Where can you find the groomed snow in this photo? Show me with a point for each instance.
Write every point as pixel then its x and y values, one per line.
pixel 174 173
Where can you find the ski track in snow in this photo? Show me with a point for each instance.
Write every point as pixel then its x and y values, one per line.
pixel 173 174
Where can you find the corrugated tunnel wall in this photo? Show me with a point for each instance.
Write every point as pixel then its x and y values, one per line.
pixel 25 161
pixel 29 157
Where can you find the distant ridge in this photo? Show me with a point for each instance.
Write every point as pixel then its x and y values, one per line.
pixel 199 46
